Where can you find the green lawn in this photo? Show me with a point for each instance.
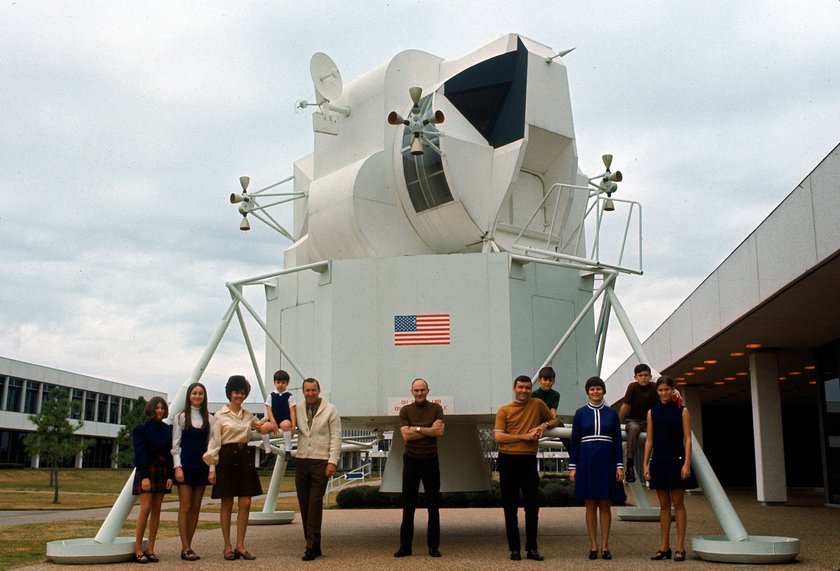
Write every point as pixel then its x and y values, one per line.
pixel 29 489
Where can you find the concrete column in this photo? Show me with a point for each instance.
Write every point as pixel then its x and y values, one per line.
pixel 79 458
pixel 693 400
pixel 5 394
pixel 770 477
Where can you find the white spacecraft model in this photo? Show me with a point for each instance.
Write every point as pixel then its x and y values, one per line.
pixel 445 215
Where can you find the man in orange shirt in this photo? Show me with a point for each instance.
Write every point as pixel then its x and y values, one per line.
pixel 519 427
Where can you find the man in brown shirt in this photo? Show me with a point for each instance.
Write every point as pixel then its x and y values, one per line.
pixel 421 424
pixel 639 398
pixel 519 427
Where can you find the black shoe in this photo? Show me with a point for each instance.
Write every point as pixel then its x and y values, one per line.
pixel 630 472
pixel 534 555
pixel 309 555
pixel 515 556
pixel 403 552
pixel 659 555
pixel 434 552
pixel 606 554
pixel 593 554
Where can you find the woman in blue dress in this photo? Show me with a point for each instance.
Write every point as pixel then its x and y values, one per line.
pixel 668 464
pixel 595 463
pixel 190 433
pixel 152 475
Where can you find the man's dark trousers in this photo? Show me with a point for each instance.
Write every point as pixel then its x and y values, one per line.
pixel 311 484
pixel 415 470
pixel 519 471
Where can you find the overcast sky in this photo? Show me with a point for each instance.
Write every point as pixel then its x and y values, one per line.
pixel 125 125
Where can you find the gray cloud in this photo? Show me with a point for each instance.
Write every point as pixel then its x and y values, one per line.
pixel 126 125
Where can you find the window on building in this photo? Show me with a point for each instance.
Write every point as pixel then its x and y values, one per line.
pixel 45 390
pixel 77 396
pixel 30 398
pixel 2 390
pixel 102 408
pixel 114 413
pixel 13 395
pixel 126 406
pixel 90 406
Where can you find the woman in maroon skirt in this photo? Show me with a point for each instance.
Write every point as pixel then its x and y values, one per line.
pixel 231 462
pixel 152 476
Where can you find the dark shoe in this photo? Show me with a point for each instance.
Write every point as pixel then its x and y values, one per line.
pixel 630 472
pixel 515 556
pixel 243 554
pixel 605 554
pixel 433 552
pixel 141 559
pixel 189 555
pixel 661 554
pixel 534 555
pixel 593 554
pixel 679 555
pixel 402 552
pixel 229 556
pixel 309 555
pixel 151 557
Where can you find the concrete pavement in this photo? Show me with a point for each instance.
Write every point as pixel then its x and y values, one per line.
pixel 475 539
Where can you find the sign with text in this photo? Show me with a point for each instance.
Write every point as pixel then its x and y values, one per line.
pixel 396 403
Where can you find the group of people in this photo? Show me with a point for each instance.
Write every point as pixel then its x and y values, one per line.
pixel 198 449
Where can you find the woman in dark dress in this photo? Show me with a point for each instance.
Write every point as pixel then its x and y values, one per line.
pixel 152 475
pixel 668 464
pixel 231 462
pixel 190 433
pixel 595 464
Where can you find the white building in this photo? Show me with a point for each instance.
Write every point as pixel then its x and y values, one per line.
pixel 756 349
pixel 23 386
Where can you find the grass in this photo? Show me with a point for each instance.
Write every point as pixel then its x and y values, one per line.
pixel 29 489
pixel 79 489
pixel 24 545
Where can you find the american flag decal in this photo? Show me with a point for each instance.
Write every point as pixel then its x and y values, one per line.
pixel 425 329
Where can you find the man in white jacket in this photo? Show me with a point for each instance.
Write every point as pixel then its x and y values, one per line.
pixel 318 452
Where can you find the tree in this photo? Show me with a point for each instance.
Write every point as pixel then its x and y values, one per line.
pixel 124 456
pixel 53 440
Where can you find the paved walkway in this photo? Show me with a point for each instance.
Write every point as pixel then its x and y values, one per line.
pixel 474 539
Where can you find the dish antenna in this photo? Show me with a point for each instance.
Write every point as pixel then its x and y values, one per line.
pixel 328 86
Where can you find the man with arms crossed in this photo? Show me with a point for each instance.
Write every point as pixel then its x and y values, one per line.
pixel 421 424
pixel 319 449
pixel 639 398
pixel 519 426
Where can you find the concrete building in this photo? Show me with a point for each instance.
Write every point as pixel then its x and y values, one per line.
pixel 24 385
pixel 756 349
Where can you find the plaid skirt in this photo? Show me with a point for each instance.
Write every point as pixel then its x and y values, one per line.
pixel 235 473
pixel 158 470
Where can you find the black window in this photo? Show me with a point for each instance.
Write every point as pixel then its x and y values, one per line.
pixel 78 395
pixel 90 406
pixel 30 400
pixel 14 394
pixel 114 415
pixel 102 409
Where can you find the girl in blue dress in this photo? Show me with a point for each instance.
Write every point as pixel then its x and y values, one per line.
pixel 152 475
pixel 668 464
pixel 595 463
pixel 190 433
